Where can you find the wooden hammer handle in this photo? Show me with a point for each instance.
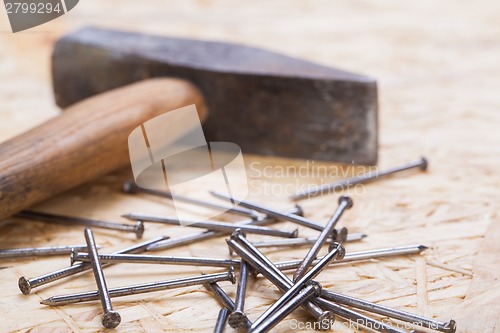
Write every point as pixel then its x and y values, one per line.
pixel 86 141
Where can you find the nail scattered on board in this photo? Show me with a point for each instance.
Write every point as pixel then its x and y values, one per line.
pixel 131 187
pixel 110 318
pixel 361 255
pixel 193 238
pixel 137 228
pixel 447 327
pixel 271 212
pixel 237 317
pixel 313 288
pixel 31 252
pixel 220 294
pixel 149 259
pixel 343 184
pixel 221 320
pixel 211 225
pixel 344 203
pixel 357 318
pixel 294 242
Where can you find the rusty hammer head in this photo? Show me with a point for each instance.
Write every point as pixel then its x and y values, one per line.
pixel 265 102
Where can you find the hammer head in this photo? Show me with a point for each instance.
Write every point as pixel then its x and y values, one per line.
pixel 265 102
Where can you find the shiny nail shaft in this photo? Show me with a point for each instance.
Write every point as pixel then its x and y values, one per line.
pixel 40 251
pixel 356 317
pixel 110 318
pixel 386 311
pixel 221 320
pixel 364 178
pixel 271 212
pixel 339 251
pixel 362 255
pixel 25 284
pixel 352 237
pixel 211 225
pixel 192 238
pixel 344 203
pixel 310 290
pixel 221 295
pixel 137 229
pixel 165 260
pixel 237 318
pixel 131 187
pixel 275 276
pixel 223 298
pixel 140 288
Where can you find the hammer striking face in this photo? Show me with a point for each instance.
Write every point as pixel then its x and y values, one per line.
pixel 265 102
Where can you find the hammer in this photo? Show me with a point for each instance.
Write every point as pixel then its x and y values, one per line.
pixel 110 82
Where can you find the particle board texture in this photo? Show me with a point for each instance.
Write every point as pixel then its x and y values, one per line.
pixel 437 67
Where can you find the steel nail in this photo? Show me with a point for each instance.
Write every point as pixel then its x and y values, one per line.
pixel 131 187
pixel 364 178
pixel 137 229
pixel 110 318
pixel 311 289
pixel 211 225
pixel 40 251
pixel 189 239
pixel 223 298
pixel 356 317
pixel 448 327
pixel 344 203
pixel 339 251
pixel 221 320
pixel 26 284
pixel 358 256
pixel 271 212
pixel 276 277
pixel 238 318
pixel 221 295
pixel 149 259
pixel 141 288
pixel 352 237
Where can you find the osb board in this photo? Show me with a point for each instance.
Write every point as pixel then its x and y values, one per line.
pixel 437 66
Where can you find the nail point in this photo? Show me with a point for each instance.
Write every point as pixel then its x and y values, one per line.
pixel 422 248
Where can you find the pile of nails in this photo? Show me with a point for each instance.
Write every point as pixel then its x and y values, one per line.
pixel 324 306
